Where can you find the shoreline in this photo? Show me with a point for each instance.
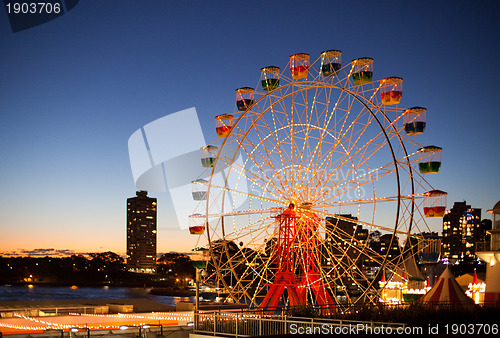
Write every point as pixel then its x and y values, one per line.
pixel 152 290
pixel 139 304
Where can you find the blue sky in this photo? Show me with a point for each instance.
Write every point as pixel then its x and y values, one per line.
pixel 74 89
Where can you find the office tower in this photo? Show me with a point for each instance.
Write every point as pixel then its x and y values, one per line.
pixel 345 240
pixel 141 233
pixel 461 230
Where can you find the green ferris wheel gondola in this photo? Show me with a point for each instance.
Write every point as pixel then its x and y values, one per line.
pixel 429 160
pixel 362 71
pixel 200 258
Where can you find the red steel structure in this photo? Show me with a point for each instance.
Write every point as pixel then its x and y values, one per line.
pixel 297 258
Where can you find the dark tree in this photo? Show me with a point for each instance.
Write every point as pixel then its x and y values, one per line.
pixel 175 264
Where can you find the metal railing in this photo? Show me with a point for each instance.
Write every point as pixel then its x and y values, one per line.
pixel 493 245
pixel 483 246
pixel 241 324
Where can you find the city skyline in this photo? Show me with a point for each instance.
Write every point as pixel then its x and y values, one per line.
pixel 75 89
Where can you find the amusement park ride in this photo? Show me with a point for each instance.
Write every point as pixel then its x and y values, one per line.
pixel 316 140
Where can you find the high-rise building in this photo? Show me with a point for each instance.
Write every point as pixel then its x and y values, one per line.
pixel 343 239
pixel 389 245
pixel 141 233
pixel 461 230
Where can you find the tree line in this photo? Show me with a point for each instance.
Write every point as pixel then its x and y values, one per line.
pixel 104 268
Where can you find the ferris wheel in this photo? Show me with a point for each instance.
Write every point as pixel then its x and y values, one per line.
pixel 315 188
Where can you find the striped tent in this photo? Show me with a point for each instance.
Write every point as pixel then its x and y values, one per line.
pixel 447 291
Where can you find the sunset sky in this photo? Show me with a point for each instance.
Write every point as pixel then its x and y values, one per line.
pixel 73 90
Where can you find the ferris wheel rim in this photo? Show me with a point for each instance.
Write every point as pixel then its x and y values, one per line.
pixel 353 91
pixel 352 94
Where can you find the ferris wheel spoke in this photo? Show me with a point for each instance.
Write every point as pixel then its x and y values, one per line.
pixel 409 217
pixel 363 250
pixel 277 146
pixel 371 117
pixel 256 264
pixel 370 200
pixel 380 171
pixel 266 186
pixel 243 193
pixel 361 151
pixel 313 156
pixel 349 256
pixel 256 269
pixel 261 170
pixel 326 123
pixel 293 146
pixel 352 186
pixel 366 178
pixel 356 120
pixel 344 277
pixel 349 157
pixel 241 213
pixel 254 230
pixel 283 156
pixel 341 238
pixel 265 158
pixel 301 133
pixel 367 224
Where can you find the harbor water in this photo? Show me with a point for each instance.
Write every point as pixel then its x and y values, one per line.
pixel 44 293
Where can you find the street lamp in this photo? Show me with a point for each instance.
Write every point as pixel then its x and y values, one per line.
pixel 199 273
pixel 199 262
